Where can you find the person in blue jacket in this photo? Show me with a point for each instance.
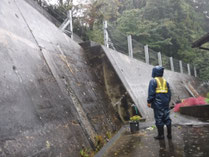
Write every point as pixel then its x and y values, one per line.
pixel 159 96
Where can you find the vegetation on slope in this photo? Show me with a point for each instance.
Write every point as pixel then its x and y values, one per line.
pixel 168 26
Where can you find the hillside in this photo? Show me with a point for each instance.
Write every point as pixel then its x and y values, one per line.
pixel 168 26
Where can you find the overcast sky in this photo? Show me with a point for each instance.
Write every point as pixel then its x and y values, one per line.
pixel 75 2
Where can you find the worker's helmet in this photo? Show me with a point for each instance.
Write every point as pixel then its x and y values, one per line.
pixel 157 71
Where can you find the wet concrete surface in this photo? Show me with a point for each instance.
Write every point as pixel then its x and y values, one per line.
pixel 187 141
pixel 50 99
pixel 51 102
pixel 135 76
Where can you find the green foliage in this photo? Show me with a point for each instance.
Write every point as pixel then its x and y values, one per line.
pixel 207 95
pixel 165 26
pixel 100 141
pixel 86 152
pixel 96 35
pixel 131 4
pixel 83 153
pixel 168 26
pixel 202 60
pixel 108 135
pixel 207 100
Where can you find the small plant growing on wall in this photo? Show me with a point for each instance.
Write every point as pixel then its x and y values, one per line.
pixel 100 141
pixel 86 153
pixel 108 135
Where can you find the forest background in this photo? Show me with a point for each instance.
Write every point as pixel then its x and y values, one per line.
pixel 167 26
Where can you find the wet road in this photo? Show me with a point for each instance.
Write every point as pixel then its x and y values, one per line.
pixel 187 141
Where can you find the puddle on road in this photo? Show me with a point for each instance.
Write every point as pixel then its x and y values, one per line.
pixel 187 141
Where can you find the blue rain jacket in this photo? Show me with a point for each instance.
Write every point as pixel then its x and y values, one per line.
pixel 158 100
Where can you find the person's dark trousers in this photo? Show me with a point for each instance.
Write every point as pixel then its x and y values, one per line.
pixel 167 122
pixel 162 117
pixel 169 131
pixel 160 135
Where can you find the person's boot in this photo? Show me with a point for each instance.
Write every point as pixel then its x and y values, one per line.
pixel 160 135
pixel 169 132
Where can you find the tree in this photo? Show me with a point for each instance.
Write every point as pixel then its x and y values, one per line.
pixel 168 26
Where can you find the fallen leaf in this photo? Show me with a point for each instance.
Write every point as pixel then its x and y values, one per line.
pixel 47 144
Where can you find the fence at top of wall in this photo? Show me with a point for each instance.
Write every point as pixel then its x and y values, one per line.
pixel 115 39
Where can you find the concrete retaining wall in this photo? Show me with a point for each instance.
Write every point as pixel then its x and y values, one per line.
pixel 51 103
pixel 135 76
pixel 52 99
pixel 41 10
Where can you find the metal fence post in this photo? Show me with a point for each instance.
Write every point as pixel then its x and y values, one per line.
pixel 171 63
pixel 68 20
pixel 181 67
pixel 146 54
pixel 195 72
pixel 189 71
pixel 160 59
pixel 130 47
pixel 106 36
pixel 70 16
